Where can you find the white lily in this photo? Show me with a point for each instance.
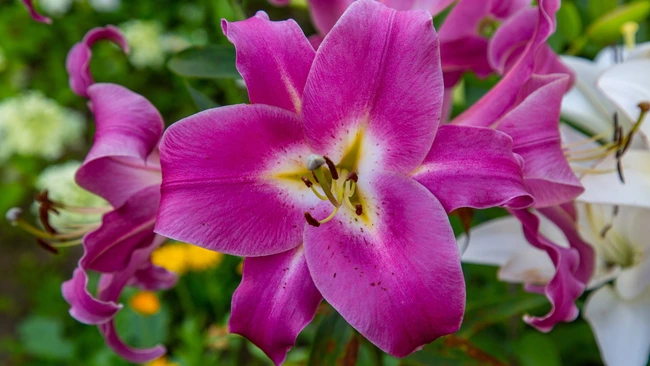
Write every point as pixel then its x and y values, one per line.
pixel 619 314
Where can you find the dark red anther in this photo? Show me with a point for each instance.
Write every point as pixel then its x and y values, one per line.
pixel 352 176
pixel 358 209
pixel 332 167
pixel 47 246
pixel 311 221
pixel 307 182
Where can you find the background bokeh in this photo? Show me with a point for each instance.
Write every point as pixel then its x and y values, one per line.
pixel 43 124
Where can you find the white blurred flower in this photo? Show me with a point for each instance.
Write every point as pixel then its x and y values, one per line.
pixel 34 125
pixel 145 38
pixel 55 7
pixel 59 181
pixel 105 5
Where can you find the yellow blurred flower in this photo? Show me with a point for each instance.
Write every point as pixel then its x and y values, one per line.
pixel 161 361
pixel 200 259
pixel 181 258
pixel 171 257
pixel 145 303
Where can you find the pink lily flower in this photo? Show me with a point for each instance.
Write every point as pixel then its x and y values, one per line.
pixel 34 14
pixel 123 167
pixel 320 182
pixel 523 96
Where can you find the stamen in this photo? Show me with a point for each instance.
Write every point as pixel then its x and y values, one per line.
pixel 353 177
pixel 327 189
pixel 629 30
pixel 332 168
pixel 331 216
pixel 311 220
pixel 47 246
pixel 358 209
pixel 307 182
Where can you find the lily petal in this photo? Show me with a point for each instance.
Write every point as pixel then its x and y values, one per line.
pixel 237 170
pixel 83 306
pixel 78 60
pixel 325 13
pixel 34 14
pixel 534 127
pixel 275 301
pixel 126 352
pixel 396 279
pixel 626 85
pixel 347 96
pixel 502 97
pixel 273 58
pixel 622 328
pixel 473 167
pixel 607 188
pixel 129 227
pixel 564 288
pixel 125 147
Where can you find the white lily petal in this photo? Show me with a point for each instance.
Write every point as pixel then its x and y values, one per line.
pixel 494 242
pixel 607 57
pixel 626 85
pixel 621 328
pixel 585 105
pixel 606 188
pixel 528 266
pixel 634 281
pixel 640 52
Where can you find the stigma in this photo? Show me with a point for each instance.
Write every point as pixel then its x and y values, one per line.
pixel 326 183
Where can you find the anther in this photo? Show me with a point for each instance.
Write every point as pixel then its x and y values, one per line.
pixel 307 182
pixel 644 106
pixel 311 220
pixel 352 176
pixel 47 246
pixel 358 209
pixel 315 161
pixel 332 168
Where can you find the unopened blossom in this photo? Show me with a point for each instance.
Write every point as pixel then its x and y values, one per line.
pixel 105 5
pixel 145 38
pixel 55 7
pixel 34 125
pixel 332 185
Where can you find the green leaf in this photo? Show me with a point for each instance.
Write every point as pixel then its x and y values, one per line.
pixel 596 9
pixel 535 349
pixel 334 340
pixel 201 100
pixel 43 337
pixel 479 316
pixel 607 29
pixel 209 62
pixel 568 21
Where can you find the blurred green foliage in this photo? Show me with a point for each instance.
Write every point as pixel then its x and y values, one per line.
pixel 35 328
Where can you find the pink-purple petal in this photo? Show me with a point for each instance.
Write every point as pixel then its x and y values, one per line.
pixel 128 130
pixel 135 355
pixel 274 302
pixel 34 14
pixel 565 287
pixel 534 127
pixel 325 13
pixel 273 58
pixel 221 186
pixel 473 167
pixel 83 306
pixel 396 279
pixel 124 230
pixel 392 95
pixel 502 97
pixel 78 60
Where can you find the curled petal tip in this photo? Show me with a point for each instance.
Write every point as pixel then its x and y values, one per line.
pixel 34 14
pixel 78 60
